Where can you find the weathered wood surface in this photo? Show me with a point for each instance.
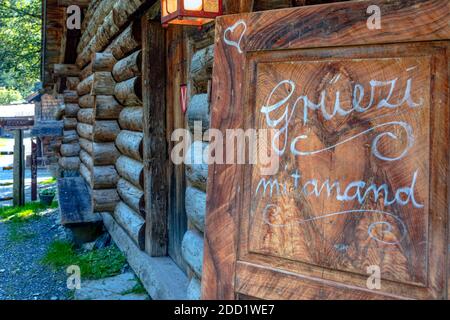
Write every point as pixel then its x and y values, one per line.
pixel 66 70
pixel 131 118
pixel 192 249
pixel 104 200
pixel 196 168
pixel 75 202
pixel 70 123
pixel 201 68
pixel 161 277
pixel 69 150
pixel 86 72
pixel 86 145
pixel 70 96
pixel 103 84
pixel 70 136
pixel 128 67
pixel 194 290
pixel 198 110
pixel 131 170
pixel 155 145
pixel 69 163
pixel 72 83
pixel 130 143
pixel 196 207
pixel 103 61
pixel 87 176
pixel 86 101
pixel 107 108
pixel 85 86
pixel 86 116
pixel 104 177
pixel 106 130
pixel 123 9
pixel 85 131
pixel 129 92
pixel 132 196
pixel 323 237
pixel 128 41
pixel 105 153
pixel 86 159
pixel 131 222
pixel 71 110
pixel 260 5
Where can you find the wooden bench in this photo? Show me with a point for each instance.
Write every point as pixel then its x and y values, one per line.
pixel 75 207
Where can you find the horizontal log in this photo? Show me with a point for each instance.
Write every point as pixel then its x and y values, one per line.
pixel 85 130
pixel 123 9
pixel 103 83
pixel 86 101
pixel 131 118
pixel 201 68
pixel 194 289
pixel 195 203
pixel 131 222
pixel 85 86
pixel 70 96
pixel 86 174
pixel 72 83
pixel 105 153
pixel 129 92
pixel 86 159
pixel 86 72
pixel 130 143
pixel 70 123
pixel 103 61
pixel 86 145
pixel 71 110
pixel 80 3
pixel 131 170
pixel 132 196
pixel 196 168
pixel 128 41
pixel 104 177
pixel 107 31
pixel 105 200
pixel 70 136
pixel 198 110
pixel 128 67
pixel 107 108
pixel 70 150
pixel 192 251
pixel 86 116
pixel 106 130
pixel 69 163
pixel 84 57
pixel 66 70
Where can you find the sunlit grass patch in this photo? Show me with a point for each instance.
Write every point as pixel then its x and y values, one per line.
pixel 20 214
pixel 95 264
pixel 48 182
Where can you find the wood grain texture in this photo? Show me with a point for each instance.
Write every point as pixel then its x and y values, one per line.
pixel 279 249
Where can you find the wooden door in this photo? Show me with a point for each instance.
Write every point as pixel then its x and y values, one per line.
pixel 361 119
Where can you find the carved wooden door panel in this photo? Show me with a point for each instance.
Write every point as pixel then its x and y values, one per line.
pixel 356 207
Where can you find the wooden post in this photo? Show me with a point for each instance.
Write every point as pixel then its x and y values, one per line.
pixel 34 164
pixel 19 169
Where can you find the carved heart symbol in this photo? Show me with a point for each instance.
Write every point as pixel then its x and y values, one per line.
pixel 230 30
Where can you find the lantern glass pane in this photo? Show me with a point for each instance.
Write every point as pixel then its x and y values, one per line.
pixel 211 5
pixel 171 6
pixel 193 5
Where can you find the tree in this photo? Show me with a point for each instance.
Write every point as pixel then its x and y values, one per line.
pixel 20 43
pixel 7 96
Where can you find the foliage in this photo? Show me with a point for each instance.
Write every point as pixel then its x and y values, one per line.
pixel 137 289
pixel 95 264
pixel 8 96
pixel 47 192
pixel 17 234
pixel 20 43
pixel 48 182
pixel 21 214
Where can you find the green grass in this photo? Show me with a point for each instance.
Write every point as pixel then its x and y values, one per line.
pixel 137 289
pixel 96 264
pixel 21 214
pixel 48 182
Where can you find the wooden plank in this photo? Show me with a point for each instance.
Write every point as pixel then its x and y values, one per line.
pixel 155 148
pixel 19 169
pixel 276 236
pixel 75 203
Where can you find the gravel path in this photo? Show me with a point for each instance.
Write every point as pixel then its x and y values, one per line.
pixel 22 277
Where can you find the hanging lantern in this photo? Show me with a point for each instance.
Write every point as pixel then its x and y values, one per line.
pixel 189 12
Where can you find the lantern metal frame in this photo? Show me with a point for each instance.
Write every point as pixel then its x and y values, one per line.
pixel 183 17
